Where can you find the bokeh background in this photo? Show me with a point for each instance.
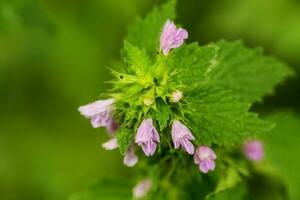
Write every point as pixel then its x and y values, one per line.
pixel 53 58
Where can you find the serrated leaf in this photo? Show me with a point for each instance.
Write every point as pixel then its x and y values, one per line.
pixel 125 138
pixel 162 115
pixel 145 33
pixel 135 59
pixel 247 72
pixel 192 62
pixel 219 117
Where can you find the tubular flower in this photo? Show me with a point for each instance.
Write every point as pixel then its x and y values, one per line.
pixel 130 159
pixel 182 136
pixel 142 188
pixel 205 157
pixel 112 125
pixel 254 150
pixel 98 112
pixel 147 137
pixel 171 37
pixel 110 144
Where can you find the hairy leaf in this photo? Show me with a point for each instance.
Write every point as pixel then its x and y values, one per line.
pixel 219 117
pixel 192 62
pixel 246 72
pixel 136 60
pixel 125 138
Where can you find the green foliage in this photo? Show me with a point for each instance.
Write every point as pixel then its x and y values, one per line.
pixel 192 61
pixel 246 72
pixel 145 32
pixel 136 60
pixel 162 114
pixel 106 190
pixel 125 138
pixel 219 82
pixel 282 150
pixel 219 117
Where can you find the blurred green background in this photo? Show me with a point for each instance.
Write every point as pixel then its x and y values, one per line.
pixel 53 58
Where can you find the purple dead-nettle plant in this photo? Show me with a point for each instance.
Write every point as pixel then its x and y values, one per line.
pixel 147 137
pixel 175 105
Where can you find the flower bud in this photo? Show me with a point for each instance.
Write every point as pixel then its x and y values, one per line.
pixel 254 150
pixel 176 96
pixel 205 158
pixel 130 159
pixel 110 144
pixel 142 188
pixel 148 101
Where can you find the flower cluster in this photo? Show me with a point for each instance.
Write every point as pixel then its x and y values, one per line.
pixel 147 136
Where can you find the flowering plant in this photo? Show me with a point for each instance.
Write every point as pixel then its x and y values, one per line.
pixel 179 112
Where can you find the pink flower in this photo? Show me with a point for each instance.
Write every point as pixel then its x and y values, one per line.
pixel 147 137
pixel 181 136
pixel 142 188
pixel 99 112
pixel 110 144
pixel 205 157
pixel 254 150
pixel 130 159
pixel 171 37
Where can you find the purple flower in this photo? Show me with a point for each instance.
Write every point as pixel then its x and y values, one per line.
pixel 181 136
pixel 171 37
pixel 112 125
pixel 142 188
pixel 147 137
pixel 110 144
pixel 99 112
pixel 130 159
pixel 205 157
pixel 254 150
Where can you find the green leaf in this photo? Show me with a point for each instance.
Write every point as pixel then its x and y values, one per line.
pixel 106 190
pixel 282 150
pixel 135 59
pixel 219 117
pixel 238 192
pixel 246 72
pixel 125 138
pixel 145 33
pixel 163 114
pixel 228 184
pixel 192 62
